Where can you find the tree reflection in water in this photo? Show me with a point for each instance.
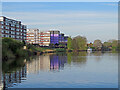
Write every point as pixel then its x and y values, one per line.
pixel 78 58
pixel 16 71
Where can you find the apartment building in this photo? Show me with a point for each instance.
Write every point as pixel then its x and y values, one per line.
pixel 44 38
pixel 63 39
pixel 35 36
pixel 12 28
pixel 32 36
pixel 54 37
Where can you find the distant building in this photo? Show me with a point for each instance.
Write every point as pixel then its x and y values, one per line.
pixel 12 28
pixel 54 37
pixel 32 36
pixel 35 36
pixel 45 38
pixel 63 39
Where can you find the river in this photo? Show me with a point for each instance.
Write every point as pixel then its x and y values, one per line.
pixel 63 70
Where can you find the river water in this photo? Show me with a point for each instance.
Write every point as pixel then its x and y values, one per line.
pixel 63 70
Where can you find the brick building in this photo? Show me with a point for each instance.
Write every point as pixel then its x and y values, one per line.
pixel 12 28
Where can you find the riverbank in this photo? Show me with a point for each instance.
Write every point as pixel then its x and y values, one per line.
pixel 12 49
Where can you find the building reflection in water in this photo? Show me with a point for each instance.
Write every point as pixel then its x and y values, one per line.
pixel 57 61
pixel 1 84
pixel 40 63
pixel 50 62
pixel 10 79
pixel 46 63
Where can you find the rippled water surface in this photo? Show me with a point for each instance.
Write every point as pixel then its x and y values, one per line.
pixel 63 70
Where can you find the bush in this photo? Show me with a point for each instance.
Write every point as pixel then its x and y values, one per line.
pixel 21 53
pixel 11 48
pixel 7 54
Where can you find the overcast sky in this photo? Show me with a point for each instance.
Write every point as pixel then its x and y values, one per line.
pixel 94 20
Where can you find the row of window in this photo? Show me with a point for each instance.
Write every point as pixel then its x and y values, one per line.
pixel 14 25
pixel 44 35
pixel 13 36
pixel 12 32
pixel 13 29
pixel 36 40
pixel 44 40
pixel 37 37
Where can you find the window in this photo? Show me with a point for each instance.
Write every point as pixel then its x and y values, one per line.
pixel 12 36
pixel 17 37
pixel 12 25
pixel 7 36
pixel 7 27
pixel 17 29
pixel 2 31
pixel 17 25
pixel 24 30
pixel 13 28
pixel 17 33
pixel 6 23
pixel 12 32
pixel 1 22
pixel 6 31
pixel 2 26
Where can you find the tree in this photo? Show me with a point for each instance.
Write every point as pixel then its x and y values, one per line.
pixel 97 44
pixel 111 45
pixel 79 43
pixel 69 43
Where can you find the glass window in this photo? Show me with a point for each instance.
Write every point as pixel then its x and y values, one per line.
pixel 2 30
pixel 2 26
pixel 17 29
pixel 1 22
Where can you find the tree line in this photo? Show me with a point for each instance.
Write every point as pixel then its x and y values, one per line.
pixel 80 43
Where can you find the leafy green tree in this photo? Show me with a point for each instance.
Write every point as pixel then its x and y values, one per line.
pixel 10 47
pixel 79 43
pixel 69 43
pixel 97 44
pixel 111 44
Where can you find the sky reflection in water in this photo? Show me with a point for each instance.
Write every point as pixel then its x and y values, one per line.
pixel 63 70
